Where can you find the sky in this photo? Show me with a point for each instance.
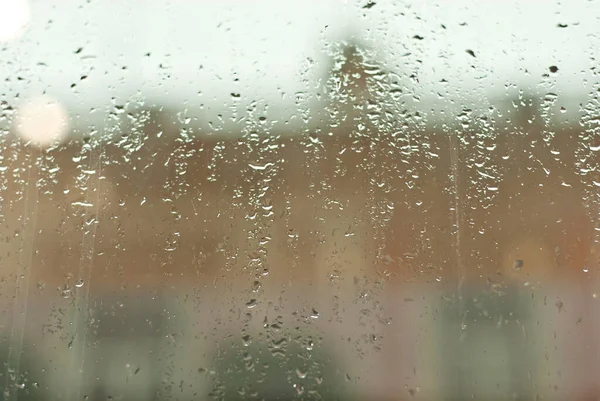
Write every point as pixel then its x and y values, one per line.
pixel 194 54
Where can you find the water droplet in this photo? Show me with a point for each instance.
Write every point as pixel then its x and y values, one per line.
pixel 65 292
pixel 559 305
pixel 369 5
pixel 247 339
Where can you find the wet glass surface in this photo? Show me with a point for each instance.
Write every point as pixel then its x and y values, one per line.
pixel 312 201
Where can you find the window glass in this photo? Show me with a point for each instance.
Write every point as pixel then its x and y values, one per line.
pixel 342 200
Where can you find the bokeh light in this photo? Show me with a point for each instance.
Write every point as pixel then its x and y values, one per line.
pixel 43 121
pixel 14 19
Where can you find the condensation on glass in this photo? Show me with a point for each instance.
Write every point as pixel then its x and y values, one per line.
pixel 314 201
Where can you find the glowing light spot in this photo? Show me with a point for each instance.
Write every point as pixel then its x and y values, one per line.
pixel 42 121
pixel 14 19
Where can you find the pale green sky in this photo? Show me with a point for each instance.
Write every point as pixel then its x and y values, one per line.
pixel 203 46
